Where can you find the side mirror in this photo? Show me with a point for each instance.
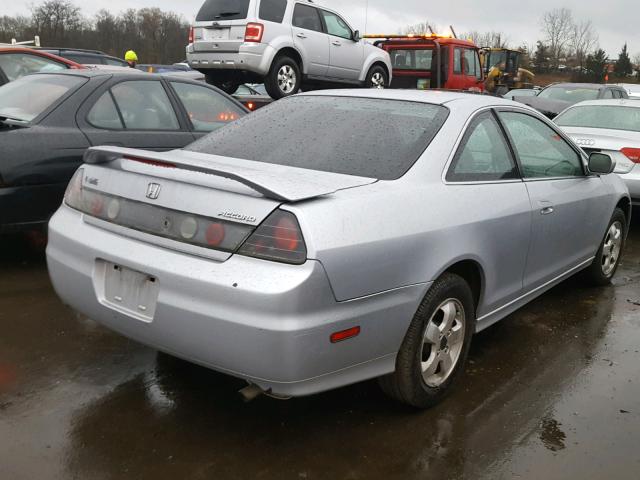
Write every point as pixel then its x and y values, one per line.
pixel 356 36
pixel 601 163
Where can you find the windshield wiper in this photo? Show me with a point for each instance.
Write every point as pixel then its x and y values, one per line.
pixel 13 122
pixel 226 14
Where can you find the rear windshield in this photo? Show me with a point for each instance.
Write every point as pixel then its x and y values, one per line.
pixel 569 94
pixel 29 96
pixel 223 10
pixel 601 116
pixel 375 138
pixel 411 59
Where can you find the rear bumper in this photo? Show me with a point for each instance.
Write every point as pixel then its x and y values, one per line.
pixel 254 58
pixel 265 322
pixel 28 207
pixel 632 180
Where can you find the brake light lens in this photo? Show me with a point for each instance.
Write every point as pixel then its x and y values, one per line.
pixel 73 193
pixel 254 32
pixel 192 35
pixel 278 239
pixel 632 154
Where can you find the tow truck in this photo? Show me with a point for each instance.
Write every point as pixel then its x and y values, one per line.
pixel 429 61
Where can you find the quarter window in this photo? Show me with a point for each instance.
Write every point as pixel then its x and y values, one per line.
pixel 541 150
pixel 273 10
pixel 306 17
pixel 336 26
pixel 207 109
pixel 608 94
pixel 483 154
pixel 144 105
pixel 104 114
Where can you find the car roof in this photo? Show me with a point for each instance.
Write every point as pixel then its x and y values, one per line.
pixel 35 51
pixel 594 86
pixel 616 103
pixel 437 97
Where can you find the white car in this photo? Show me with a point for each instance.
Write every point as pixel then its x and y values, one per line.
pixel 284 43
pixel 633 90
pixel 611 127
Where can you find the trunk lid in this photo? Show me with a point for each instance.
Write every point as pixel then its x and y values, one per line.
pixel 606 141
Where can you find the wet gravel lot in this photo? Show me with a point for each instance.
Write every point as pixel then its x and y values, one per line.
pixel 551 392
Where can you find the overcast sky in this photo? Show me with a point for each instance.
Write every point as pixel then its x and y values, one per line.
pixel 617 21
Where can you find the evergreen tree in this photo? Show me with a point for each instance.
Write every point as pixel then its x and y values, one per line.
pixel 597 65
pixel 623 65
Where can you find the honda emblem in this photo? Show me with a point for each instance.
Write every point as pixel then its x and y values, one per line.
pixel 153 191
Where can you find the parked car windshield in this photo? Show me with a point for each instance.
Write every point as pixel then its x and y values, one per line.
pixel 29 96
pixel 569 94
pixel 375 138
pixel 612 117
pixel 223 10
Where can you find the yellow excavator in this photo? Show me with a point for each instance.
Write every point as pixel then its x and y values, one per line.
pixel 503 72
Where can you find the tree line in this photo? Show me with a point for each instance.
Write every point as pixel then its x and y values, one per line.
pixel 155 35
pixel 565 44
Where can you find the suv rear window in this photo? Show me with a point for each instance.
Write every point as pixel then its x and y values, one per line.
pixel 375 138
pixel 223 10
pixel 273 10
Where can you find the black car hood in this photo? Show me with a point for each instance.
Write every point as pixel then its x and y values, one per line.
pixel 548 107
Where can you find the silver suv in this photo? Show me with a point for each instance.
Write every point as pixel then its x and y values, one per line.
pixel 286 44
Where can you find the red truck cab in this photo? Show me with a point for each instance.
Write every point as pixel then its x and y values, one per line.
pixel 432 61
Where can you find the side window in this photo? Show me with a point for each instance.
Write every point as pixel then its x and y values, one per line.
pixel 83 59
pixel 608 93
pixel 306 17
pixel 469 63
pixel 144 105
pixel 16 65
pixel 207 109
pixel 104 114
pixel 542 152
pixel 483 154
pixel 457 60
pixel 272 10
pixel 336 26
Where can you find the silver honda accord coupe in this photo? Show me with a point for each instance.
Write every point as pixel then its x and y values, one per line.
pixel 338 236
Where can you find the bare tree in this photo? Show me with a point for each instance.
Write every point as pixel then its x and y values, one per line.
pixel 557 26
pixel 487 39
pixel 584 39
pixel 57 21
pixel 417 29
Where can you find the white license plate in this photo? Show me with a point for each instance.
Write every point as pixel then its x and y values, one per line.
pixel 129 291
pixel 218 33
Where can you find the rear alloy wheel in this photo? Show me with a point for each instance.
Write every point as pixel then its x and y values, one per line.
pixel 284 78
pixel 377 78
pixel 607 259
pixel 435 349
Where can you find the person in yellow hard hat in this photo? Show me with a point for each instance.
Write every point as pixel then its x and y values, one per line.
pixel 131 58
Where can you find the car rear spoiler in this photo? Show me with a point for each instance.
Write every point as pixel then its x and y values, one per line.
pixel 278 182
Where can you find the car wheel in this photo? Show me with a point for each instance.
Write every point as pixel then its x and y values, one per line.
pixel 227 86
pixel 607 259
pixel 435 348
pixel 377 78
pixel 284 78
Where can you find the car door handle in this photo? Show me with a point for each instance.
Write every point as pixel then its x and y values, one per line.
pixel 336 43
pixel 547 211
pixel 301 35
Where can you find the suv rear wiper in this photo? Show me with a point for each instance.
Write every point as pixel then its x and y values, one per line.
pixel 226 14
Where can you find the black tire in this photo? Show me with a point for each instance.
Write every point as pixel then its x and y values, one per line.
pixel 599 272
pixel 227 85
pixel 407 384
pixel 287 66
pixel 375 73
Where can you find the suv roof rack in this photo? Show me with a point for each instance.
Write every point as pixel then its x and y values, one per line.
pixel 35 42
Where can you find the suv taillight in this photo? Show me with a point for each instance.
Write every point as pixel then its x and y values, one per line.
pixel 254 32
pixel 632 154
pixel 192 35
pixel 278 238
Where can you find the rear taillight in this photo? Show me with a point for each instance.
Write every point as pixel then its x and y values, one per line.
pixel 278 238
pixel 632 154
pixel 73 194
pixel 192 35
pixel 254 32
